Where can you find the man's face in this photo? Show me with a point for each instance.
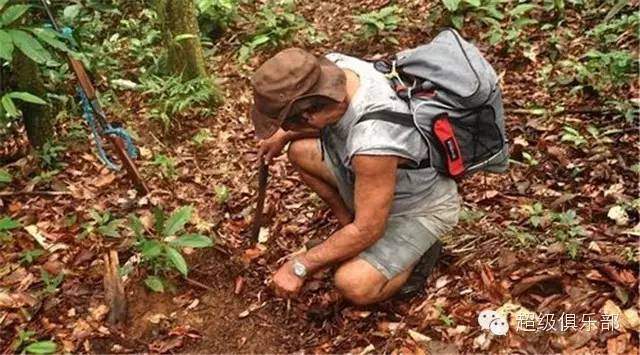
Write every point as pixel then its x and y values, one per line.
pixel 314 114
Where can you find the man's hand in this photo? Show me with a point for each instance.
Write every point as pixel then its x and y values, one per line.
pixel 272 146
pixel 285 282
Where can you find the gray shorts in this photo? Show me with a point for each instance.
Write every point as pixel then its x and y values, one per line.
pixel 408 235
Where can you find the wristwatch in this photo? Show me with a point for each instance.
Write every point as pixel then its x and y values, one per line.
pixel 299 269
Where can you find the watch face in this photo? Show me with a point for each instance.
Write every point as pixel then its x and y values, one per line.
pixel 299 269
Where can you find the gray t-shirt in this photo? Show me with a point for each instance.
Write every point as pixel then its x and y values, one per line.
pixel 416 189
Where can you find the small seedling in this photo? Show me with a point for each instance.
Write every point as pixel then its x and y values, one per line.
pixel 160 248
pixel 6 225
pixel 104 224
pixel 446 319
pixel 24 340
pixel 222 194
pixel 167 166
pixel 531 161
pixel 29 256
pixel 49 155
pixel 203 135
pixel 573 136
pixel 378 24
pixel 521 238
pixel 5 177
pixel 51 283
pixel 276 23
pixel 536 214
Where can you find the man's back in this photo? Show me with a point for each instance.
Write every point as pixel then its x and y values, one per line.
pixel 416 189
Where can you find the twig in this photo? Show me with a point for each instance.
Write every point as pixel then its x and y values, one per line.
pixel 200 284
pixel 34 193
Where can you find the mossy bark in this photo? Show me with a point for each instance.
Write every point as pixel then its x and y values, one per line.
pixel 178 17
pixel 38 119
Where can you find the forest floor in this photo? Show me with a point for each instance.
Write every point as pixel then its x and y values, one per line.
pixel 489 262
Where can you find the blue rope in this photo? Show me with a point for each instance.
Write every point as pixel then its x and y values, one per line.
pixel 89 116
pixel 91 121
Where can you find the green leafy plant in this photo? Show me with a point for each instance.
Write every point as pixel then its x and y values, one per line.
pixel 275 24
pixel 537 215
pixel 529 159
pixel 30 41
pixel 564 227
pixel 171 96
pixel 5 177
pixel 203 135
pixel 8 108
pixel 29 256
pixel 573 136
pixel 51 283
pixel 567 229
pixel 167 166
pixel 630 255
pixel 44 177
pixel 49 155
pixel 485 10
pixel 510 29
pixel 160 248
pixel 101 47
pixel 6 225
pixel 609 31
pixel 629 110
pixel 446 319
pixel 469 216
pixel 141 37
pixel 215 16
pixel 521 238
pixel 598 70
pixel 380 23
pixel 222 194
pixel 25 341
pixel 103 224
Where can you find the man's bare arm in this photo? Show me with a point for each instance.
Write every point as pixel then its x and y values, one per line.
pixel 374 189
pixel 295 135
pixel 273 146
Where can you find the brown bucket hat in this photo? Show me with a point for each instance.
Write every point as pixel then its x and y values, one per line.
pixel 287 77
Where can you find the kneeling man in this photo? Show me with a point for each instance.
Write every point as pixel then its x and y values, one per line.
pixel 391 207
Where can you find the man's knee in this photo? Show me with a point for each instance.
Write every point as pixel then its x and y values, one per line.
pixel 358 284
pixel 297 151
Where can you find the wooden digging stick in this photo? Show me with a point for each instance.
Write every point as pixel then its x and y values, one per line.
pixel 114 289
pixel 263 174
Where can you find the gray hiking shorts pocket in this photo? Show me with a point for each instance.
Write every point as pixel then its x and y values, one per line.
pixel 407 237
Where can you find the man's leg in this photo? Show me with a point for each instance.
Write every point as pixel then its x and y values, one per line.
pixel 306 157
pixel 383 268
pixel 362 284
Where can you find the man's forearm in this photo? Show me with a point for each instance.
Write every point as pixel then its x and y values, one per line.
pixel 344 244
pixel 295 135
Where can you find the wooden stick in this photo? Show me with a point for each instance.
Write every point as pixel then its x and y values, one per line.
pixel 263 174
pixel 114 289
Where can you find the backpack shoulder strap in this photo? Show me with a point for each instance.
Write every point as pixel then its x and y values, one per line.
pixel 400 118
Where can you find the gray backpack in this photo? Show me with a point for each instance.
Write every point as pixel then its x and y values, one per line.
pixel 456 104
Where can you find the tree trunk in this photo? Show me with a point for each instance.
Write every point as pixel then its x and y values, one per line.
pixel 38 119
pixel 178 17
